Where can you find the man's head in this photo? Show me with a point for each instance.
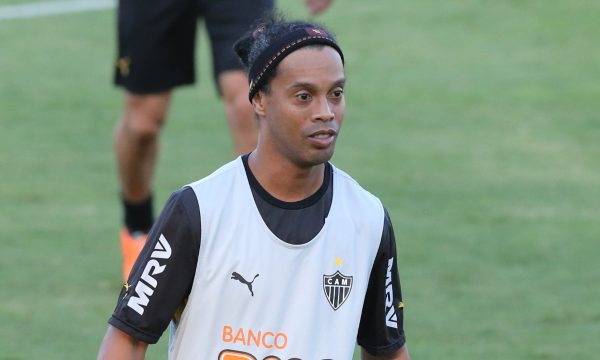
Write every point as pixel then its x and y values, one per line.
pixel 296 74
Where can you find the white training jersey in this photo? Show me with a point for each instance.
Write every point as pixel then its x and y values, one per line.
pixel 255 296
pixel 254 275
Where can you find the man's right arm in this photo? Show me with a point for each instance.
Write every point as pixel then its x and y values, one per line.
pixel 160 280
pixel 118 345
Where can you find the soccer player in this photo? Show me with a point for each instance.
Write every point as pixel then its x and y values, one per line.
pixel 277 254
pixel 156 54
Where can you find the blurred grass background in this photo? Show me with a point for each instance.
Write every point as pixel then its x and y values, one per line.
pixel 475 122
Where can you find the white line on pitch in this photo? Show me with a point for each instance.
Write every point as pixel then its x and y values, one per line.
pixel 32 10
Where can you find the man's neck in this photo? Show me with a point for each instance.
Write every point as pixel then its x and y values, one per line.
pixel 285 180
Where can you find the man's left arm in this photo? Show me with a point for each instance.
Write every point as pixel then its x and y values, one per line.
pixel 381 330
pixel 400 354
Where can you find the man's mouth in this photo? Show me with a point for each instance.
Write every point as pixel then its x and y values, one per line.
pixel 323 139
pixel 324 134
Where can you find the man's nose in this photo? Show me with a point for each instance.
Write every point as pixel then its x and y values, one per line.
pixel 323 111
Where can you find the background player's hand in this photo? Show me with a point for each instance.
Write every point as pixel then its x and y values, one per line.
pixel 317 6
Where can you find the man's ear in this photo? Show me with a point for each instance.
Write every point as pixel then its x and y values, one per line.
pixel 258 102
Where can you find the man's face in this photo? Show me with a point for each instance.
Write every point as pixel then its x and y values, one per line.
pixel 302 115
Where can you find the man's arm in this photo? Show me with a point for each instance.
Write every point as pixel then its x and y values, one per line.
pixel 118 345
pixel 381 330
pixel 400 354
pixel 317 6
pixel 140 319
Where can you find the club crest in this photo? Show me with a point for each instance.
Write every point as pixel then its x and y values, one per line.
pixel 337 287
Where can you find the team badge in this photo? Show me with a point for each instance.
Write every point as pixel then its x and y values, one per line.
pixel 337 287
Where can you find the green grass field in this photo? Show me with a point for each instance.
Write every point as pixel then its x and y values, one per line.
pixel 476 122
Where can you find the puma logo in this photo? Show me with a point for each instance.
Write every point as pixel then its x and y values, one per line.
pixel 240 278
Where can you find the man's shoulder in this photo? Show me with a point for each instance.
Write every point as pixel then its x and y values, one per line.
pixel 228 169
pixel 345 179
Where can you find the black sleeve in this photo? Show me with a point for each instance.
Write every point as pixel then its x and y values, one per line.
pixel 163 274
pixel 381 329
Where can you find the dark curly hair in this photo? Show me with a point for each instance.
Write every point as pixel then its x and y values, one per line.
pixel 265 31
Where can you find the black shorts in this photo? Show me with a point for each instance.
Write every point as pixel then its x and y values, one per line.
pixel 156 39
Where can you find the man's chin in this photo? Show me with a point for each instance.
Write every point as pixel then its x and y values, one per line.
pixel 318 158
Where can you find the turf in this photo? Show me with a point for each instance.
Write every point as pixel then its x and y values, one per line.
pixel 474 121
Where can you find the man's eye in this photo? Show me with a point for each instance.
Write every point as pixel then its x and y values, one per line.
pixel 303 96
pixel 338 93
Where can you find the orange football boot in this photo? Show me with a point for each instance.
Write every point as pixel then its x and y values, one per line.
pixel 131 246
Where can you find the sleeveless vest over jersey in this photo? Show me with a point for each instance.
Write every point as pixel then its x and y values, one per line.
pixel 255 296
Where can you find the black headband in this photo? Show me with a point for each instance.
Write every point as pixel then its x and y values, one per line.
pixel 268 59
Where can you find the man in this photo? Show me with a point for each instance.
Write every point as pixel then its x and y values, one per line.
pixel 278 254
pixel 156 54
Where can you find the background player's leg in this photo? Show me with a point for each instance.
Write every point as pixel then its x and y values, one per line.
pixel 155 55
pixel 226 22
pixel 136 142
pixel 238 110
